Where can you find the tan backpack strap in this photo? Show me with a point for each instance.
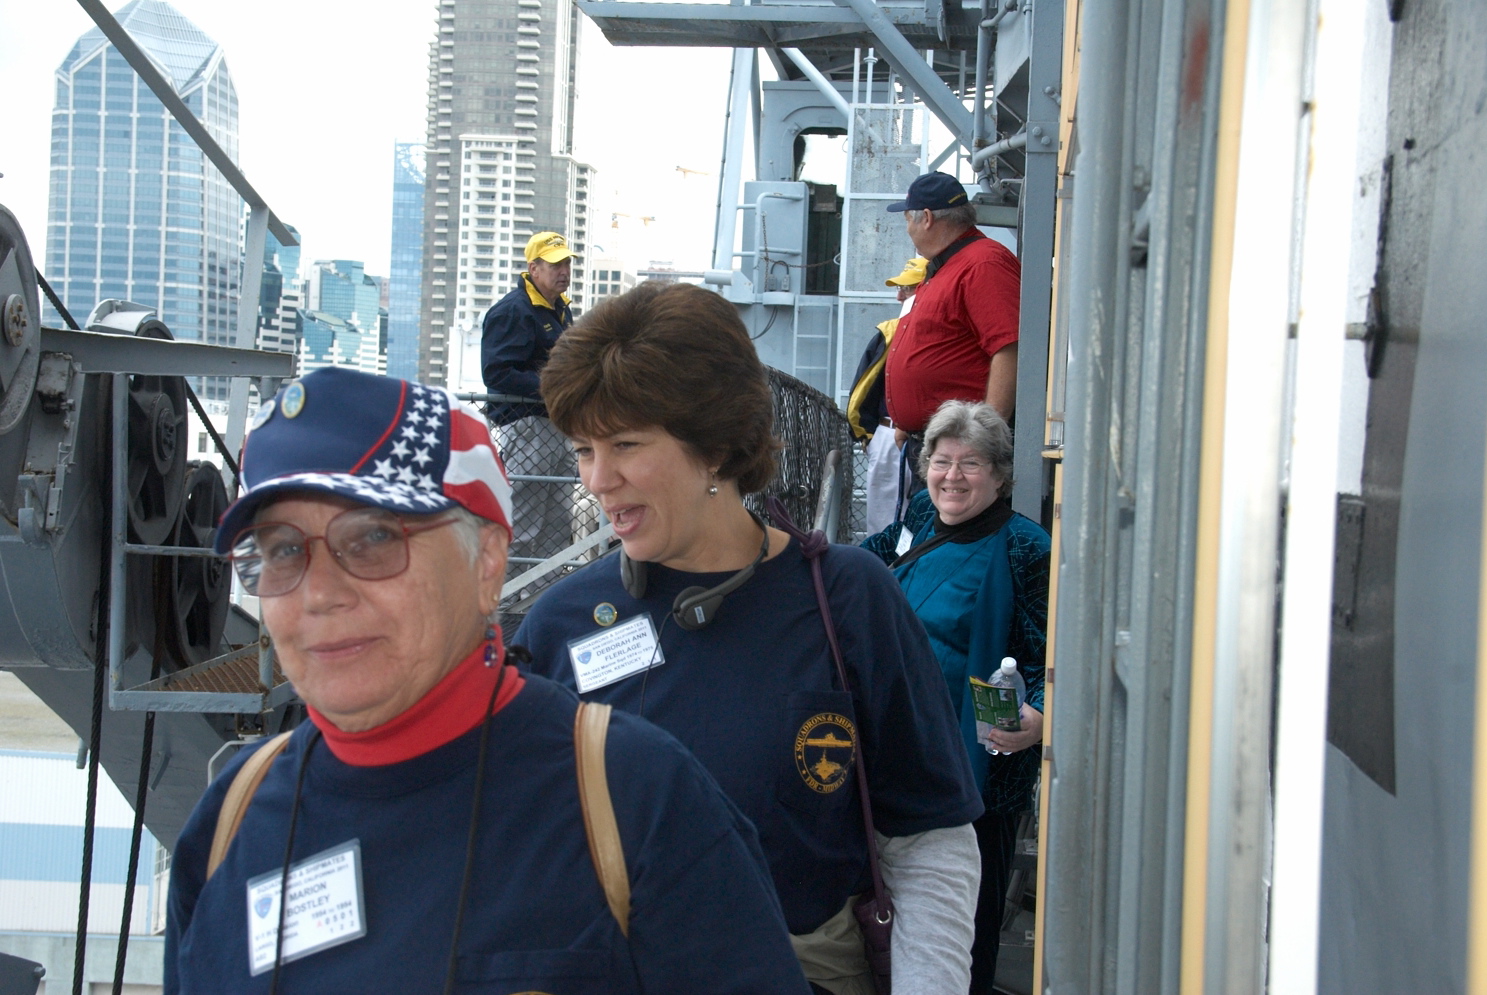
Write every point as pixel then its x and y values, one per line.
pixel 590 729
pixel 240 795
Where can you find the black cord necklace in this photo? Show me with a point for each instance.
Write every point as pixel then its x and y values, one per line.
pixel 299 783
pixel 459 915
pixel 459 911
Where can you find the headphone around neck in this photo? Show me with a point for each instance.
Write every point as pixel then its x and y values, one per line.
pixel 695 607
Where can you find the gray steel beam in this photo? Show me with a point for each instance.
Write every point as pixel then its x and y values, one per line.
pixel 813 74
pixel 211 702
pixel 731 176
pixel 1035 244
pixel 103 352
pixel 256 240
pixel 616 10
pixel 136 57
pixel 1077 852
pixel 917 74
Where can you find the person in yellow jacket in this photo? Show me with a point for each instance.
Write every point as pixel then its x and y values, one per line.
pixel 868 414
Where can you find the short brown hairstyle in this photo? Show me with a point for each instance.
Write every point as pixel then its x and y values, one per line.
pixel 673 356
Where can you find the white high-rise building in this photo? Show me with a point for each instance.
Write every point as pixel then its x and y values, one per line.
pixel 501 83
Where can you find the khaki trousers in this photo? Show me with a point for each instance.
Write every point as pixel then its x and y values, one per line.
pixel 832 957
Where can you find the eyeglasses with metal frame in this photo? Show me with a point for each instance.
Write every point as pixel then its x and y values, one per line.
pixel 271 558
pixel 968 466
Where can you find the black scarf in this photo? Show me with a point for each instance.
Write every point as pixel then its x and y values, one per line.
pixel 972 529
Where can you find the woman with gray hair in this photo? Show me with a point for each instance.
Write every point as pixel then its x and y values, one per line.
pixel 976 574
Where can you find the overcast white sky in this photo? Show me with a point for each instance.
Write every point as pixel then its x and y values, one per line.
pixel 326 87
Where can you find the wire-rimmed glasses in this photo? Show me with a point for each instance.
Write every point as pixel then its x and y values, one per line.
pixel 271 558
pixel 969 466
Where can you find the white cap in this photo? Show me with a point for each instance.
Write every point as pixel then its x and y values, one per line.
pixel 1008 663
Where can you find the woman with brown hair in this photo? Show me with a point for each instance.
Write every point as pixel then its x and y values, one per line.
pixel 708 624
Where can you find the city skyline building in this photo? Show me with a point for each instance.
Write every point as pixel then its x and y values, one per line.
pixel 279 296
pixel 343 287
pixel 501 83
pixel 405 277
pixel 610 275
pixel 135 211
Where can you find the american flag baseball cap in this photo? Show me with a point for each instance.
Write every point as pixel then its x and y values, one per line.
pixel 389 443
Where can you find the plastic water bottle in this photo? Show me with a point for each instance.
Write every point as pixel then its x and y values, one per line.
pixel 1006 677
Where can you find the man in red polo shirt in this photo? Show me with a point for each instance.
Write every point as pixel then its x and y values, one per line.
pixel 960 340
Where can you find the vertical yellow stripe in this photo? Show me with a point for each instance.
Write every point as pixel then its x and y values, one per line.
pixel 1210 497
pixel 1476 915
pixel 1041 908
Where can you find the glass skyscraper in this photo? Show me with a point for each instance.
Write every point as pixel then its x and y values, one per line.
pixel 404 283
pixel 135 209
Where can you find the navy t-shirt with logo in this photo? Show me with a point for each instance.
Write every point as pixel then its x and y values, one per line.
pixel 702 915
pixel 755 696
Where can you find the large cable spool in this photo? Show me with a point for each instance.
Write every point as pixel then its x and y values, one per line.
pixel 20 323
pixel 196 589
pixel 157 428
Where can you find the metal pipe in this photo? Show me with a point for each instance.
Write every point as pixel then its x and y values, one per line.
pixel 758 208
pixel 135 547
pixel 827 88
pixel 990 23
pixel 980 156
pixel 983 64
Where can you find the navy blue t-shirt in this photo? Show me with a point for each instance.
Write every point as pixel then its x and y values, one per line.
pixel 703 917
pixel 756 697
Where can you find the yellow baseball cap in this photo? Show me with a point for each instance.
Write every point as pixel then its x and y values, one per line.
pixel 912 276
pixel 548 246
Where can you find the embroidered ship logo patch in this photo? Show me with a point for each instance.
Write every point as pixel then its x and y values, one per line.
pixel 823 751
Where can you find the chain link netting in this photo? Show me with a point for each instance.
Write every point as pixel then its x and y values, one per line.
pixel 552 510
pixel 810 426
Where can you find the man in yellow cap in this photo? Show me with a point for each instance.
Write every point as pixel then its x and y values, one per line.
pixel 516 336
pixel 868 414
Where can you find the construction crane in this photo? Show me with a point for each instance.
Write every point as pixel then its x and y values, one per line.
pixel 691 172
pixel 614 218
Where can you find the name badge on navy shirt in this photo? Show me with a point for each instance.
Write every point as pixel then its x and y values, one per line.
pixel 615 653
pixel 325 907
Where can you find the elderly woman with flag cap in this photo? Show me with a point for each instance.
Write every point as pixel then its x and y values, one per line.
pixel 429 829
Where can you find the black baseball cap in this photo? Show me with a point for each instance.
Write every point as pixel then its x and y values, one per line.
pixel 931 192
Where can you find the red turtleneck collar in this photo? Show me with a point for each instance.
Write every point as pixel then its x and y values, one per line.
pixel 450 709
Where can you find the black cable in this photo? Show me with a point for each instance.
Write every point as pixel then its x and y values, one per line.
pixel 459 909
pixel 645 677
pixel 51 295
pixel 206 422
pixel 141 794
pixel 299 784
pixel 95 735
pixel 134 842
pixel 774 312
